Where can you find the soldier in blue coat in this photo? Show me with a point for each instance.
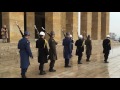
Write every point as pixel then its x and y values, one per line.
pixel 25 53
pixel 67 49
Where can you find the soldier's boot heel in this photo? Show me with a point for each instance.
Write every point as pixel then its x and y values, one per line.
pixel 23 76
pixel 42 72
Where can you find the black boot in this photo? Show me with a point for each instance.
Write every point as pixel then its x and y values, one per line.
pixel 42 72
pixel 106 61
pixel 67 63
pixel 52 70
pixel 79 62
pixel 23 76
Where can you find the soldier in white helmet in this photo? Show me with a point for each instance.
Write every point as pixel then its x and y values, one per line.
pixel 106 48
pixel 43 54
pixel 80 48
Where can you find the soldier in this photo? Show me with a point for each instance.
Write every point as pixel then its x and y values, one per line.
pixel 52 51
pixel 72 41
pixel 43 54
pixel 67 49
pixel 4 33
pixel 80 48
pixel 106 48
pixel 88 44
pixel 25 53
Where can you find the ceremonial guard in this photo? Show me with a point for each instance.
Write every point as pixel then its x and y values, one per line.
pixel 106 48
pixel 80 48
pixel 67 49
pixel 25 53
pixel 88 44
pixel 43 53
pixel 72 42
pixel 52 51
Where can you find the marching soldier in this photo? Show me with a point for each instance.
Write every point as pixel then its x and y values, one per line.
pixel 43 54
pixel 106 48
pixel 67 49
pixel 88 44
pixel 72 41
pixel 25 53
pixel 80 48
pixel 52 51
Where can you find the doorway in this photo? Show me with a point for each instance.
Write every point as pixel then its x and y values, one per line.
pixel 39 22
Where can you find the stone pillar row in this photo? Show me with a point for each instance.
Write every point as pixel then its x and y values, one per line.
pixel 95 24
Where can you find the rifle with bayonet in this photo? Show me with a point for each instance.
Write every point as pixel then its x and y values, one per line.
pixel 37 31
pixel 63 33
pixel 46 31
pixel 20 29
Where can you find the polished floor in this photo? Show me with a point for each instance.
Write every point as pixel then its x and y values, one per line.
pixel 96 68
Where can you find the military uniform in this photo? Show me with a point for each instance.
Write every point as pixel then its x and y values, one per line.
pixel 41 44
pixel 67 50
pixel 80 49
pixel 88 44
pixel 25 53
pixel 106 48
pixel 52 53
pixel 72 41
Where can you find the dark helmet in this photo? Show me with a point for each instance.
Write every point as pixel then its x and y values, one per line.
pixel 26 33
pixel 88 36
pixel 52 33
pixel 68 33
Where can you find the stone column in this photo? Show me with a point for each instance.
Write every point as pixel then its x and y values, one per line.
pixel 48 22
pixel 96 25
pixel 57 25
pixel 104 24
pixel 9 19
pixel 83 23
pixel 75 25
pixel 86 23
pixel 30 24
pixel 69 22
pixel 63 23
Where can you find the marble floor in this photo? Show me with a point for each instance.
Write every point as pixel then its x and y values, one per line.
pixel 96 68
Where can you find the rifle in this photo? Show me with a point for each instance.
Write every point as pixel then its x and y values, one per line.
pixel 37 31
pixel 46 31
pixel 63 33
pixel 19 29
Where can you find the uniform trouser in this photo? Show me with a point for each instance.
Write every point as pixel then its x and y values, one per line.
pixel 88 56
pixel 52 63
pixel 23 71
pixel 80 57
pixel 66 62
pixel 41 66
pixel 106 56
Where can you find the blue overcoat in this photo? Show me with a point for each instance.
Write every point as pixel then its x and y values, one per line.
pixel 25 53
pixel 67 48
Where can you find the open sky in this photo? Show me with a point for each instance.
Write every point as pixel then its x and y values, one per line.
pixel 115 22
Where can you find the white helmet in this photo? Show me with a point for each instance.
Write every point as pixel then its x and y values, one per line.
pixel 80 36
pixel 108 36
pixel 42 33
pixel 70 35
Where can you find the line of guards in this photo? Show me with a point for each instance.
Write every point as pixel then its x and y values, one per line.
pixel 44 54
